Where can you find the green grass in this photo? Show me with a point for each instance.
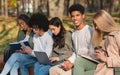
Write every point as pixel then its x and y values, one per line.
pixel 8 32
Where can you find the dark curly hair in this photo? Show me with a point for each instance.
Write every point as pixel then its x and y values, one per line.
pixel 77 7
pixel 59 39
pixel 39 20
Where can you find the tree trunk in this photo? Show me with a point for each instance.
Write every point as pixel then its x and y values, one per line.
pixel 36 3
pixel 2 7
pixel 108 5
pixel 56 8
pixel 6 8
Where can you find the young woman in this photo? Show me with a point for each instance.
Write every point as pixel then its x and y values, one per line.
pixel 62 46
pixel 25 34
pixel 106 34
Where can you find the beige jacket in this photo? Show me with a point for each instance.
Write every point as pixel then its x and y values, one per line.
pixel 111 43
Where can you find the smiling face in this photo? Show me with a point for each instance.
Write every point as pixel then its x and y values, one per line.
pixel 54 29
pixel 22 24
pixel 77 18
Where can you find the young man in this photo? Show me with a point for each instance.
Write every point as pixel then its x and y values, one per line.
pixel 82 45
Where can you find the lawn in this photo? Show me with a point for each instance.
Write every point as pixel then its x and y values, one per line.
pixel 8 32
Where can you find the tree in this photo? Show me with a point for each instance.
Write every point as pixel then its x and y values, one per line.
pixel 6 8
pixel 56 8
pixel 2 7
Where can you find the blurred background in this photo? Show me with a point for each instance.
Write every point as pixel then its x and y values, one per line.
pixel 10 9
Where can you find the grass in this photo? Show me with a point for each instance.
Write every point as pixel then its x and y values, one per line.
pixel 8 32
pixel 9 29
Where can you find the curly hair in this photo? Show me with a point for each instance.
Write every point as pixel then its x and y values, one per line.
pixel 77 7
pixel 40 21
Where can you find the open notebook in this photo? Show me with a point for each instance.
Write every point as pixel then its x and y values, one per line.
pixel 17 45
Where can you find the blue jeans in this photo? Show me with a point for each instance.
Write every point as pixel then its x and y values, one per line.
pixel 14 70
pixel 26 62
pixel 12 61
pixel 16 60
pixel 40 69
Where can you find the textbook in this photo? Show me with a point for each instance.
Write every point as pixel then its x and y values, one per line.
pixel 17 45
pixel 90 58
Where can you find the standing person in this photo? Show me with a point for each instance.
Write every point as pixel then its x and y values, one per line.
pixel 81 37
pixel 62 46
pixel 25 34
pixel 106 34
pixel 26 57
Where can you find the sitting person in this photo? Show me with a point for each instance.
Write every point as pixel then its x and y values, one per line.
pixel 26 58
pixel 25 34
pixel 62 47
pixel 106 34
pixel 42 39
pixel 82 37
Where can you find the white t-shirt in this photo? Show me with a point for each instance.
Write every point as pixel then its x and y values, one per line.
pixel 82 42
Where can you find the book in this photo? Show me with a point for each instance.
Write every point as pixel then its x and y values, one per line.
pixel 17 45
pixel 90 58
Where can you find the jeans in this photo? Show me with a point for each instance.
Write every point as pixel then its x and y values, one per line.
pixel 40 69
pixel 16 60
pixel 14 70
pixel 27 61
pixel 12 61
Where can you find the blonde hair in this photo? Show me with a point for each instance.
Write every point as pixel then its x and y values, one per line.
pixel 105 23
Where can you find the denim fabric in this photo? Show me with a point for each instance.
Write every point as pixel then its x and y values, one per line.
pixel 16 60
pixel 14 70
pixel 40 69
pixel 26 62
pixel 10 63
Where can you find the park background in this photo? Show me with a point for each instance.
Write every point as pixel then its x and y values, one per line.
pixel 10 9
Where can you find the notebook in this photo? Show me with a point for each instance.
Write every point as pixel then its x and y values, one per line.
pixel 43 58
pixel 17 45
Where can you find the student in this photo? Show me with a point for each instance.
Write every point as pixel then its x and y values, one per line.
pixel 106 34
pixel 25 34
pixel 81 37
pixel 62 47
pixel 42 41
pixel 26 57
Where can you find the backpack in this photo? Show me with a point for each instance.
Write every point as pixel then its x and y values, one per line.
pixel 7 53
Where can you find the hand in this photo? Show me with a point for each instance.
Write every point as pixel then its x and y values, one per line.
pixel 52 59
pixel 101 55
pixel 21 51
pixel 26 49
pixel 67 65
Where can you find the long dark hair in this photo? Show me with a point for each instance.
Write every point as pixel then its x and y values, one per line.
pixel 59 39
pixel 25 18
